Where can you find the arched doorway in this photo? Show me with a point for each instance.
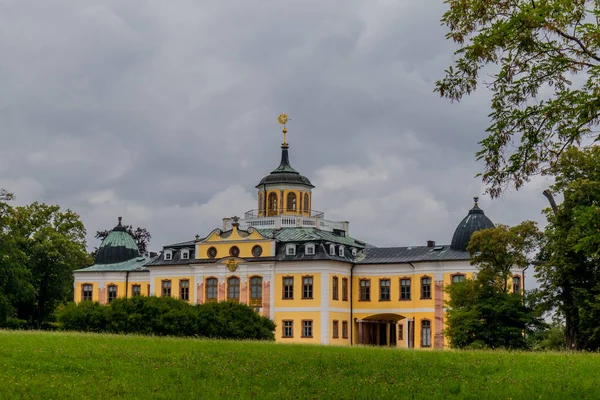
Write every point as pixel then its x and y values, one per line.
pixel 379 330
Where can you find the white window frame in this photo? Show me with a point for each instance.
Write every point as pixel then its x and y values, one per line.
pixel 341 251
pixel 185 254
pixel 309 249
pixel 290 249
pixel 354 251
pixel 332 249
pixel 168 255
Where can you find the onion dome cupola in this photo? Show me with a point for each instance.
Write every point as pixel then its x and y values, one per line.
pixel 119 246
pixel 474 221
pixel 284 191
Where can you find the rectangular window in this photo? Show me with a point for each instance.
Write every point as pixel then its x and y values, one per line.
pixel 384 290
pixel 136 290
pixel 309 249
pixel 425 333
pixel 87 292
pixel 148 287
pixel 184 290
pixel 168 256
pixel 365 290
pixel 426 288
pixel 458 278
pixel 288 287
pixel 212 286
pixel 404 289
pixel 335 329
pixel 290 250
pixel 233 289
pixel 288 329
pixel 516 284
pixel 256 291
pixel 112 293
pixel 345 329
pixel 307 287
pixel 345 289
pixel 185 255
pixel 334 289
pixel 307 328
pixel 166 288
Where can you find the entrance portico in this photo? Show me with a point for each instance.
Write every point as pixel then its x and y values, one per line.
pixel 378 330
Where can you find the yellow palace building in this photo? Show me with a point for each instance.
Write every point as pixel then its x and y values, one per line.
pixel 305 272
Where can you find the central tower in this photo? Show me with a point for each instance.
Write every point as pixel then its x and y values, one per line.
pixel 284 191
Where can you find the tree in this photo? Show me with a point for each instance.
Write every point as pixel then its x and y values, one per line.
pixel 532 49
pixel 569 271
pixel 5 195
pixel 141 236
pixel 54 244
pixel 483 312
pixel 482 315
pixel 496 251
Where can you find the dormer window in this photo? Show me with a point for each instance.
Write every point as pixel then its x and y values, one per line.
pixel 309 249
pixel 168 255
pixel 185 254
pixel 332 249
pixel 354 251
pixel 341 251
pixel 290 250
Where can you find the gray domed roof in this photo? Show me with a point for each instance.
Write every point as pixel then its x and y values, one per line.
pixel 117 247
pixel 285 173
pixel 474 221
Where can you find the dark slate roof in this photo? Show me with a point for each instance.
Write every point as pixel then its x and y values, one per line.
pixel 117 247
pixel 321 253
pixel 474 221
pixel 392 255
pixel 176 258
pixel 285 173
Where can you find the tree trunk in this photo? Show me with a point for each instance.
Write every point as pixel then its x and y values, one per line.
pixel 551 200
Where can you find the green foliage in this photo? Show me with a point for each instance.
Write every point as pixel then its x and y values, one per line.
pixel 550 339
pixel 482 316
pixel 534 49
pixel 496 251
pixel 569 272
pixel 482 313
pixel 98 366
pixel 167 316
pixel 40 246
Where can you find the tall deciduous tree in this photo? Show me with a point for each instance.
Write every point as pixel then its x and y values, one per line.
pixel 543 57
pixel 496 251
pixel 570 271
pixel 483 312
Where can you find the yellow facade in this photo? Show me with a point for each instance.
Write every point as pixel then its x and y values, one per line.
pixel 298 318
pixel 175 286
pixel 224 245
pixel 298 299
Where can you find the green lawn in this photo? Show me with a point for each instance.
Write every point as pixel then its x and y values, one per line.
pixel 70 365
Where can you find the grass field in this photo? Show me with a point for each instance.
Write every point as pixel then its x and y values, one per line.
pixel 70 365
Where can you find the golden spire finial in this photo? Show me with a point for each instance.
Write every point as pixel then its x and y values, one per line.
pixel 283 119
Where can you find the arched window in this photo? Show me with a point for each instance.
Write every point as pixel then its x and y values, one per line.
pixel 516 284
pixel 425 333
pixel 260 202
pixel 211 289
pixel 291 201
pixel 112 292
pixel 256 291
pixel 306 208
pixel 272 206
pixel 233 289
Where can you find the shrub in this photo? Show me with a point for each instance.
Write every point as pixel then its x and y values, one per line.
pixel 166 316
pixel 15 323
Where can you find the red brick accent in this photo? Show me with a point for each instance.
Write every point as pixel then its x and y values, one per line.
pixel 222 292
pixel 243 292
pixel 266 299
pixel 438 338
pixel 200 293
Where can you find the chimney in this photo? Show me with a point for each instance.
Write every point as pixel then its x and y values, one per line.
pixel 431 243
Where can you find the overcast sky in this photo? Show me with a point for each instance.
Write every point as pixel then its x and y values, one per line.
pixel 165 112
